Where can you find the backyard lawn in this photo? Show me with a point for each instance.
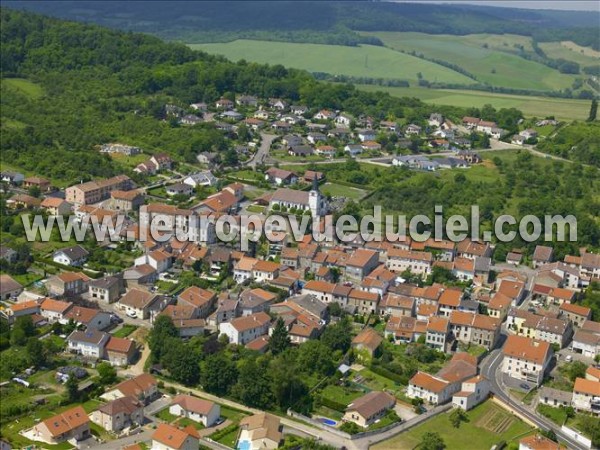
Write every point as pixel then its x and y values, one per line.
pixel 232 414
pixel 340 394
pixel 125 331
pixel 229 439
pixel 10 430
pixel 488 424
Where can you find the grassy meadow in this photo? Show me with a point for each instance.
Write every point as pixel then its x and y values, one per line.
pixel 361 61
pixel 490 58
pixel 487 424
pixel 561 108
pixel 584 56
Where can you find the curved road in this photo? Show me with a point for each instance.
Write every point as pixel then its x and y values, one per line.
pixel 490 368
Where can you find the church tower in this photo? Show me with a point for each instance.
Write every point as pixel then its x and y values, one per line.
pixel 315 200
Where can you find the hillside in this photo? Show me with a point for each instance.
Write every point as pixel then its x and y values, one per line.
pixel 491 59
pixel 319 21
pixel 105 86
pixel 361 61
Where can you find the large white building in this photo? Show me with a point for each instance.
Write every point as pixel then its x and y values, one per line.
pixel 242 330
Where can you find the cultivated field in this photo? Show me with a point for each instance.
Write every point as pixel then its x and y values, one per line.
pixel 491 59
pixel 584 56
pixel 488 424
pixel 362 61
pixel 566 109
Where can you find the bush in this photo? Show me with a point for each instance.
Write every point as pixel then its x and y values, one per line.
pixel 350 428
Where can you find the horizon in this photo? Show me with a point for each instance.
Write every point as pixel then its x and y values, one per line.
pixel 554 5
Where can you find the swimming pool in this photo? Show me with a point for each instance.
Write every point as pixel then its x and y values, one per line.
pixel 244 445
pixel 326 421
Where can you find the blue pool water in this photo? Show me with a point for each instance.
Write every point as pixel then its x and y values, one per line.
pixel 326 421
pixel 244 445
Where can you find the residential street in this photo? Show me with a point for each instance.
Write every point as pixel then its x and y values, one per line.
pixel 263 150
pixel 490 368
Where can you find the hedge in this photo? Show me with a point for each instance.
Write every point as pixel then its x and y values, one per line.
pixel 223 431
pixel 51 262
pixel 379 370
pixel 332 404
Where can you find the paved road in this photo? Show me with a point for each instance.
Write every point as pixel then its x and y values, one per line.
pixel 263 150
pixel 118 444
pixel 490 368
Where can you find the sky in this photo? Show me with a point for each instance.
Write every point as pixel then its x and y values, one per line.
pixel 572 5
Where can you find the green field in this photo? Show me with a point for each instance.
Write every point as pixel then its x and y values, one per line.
pixel 569 51
pixel 488 424
pixel 339 190
pixel 565 109
pixel 492 59
pixel 23 86
pixel 361 61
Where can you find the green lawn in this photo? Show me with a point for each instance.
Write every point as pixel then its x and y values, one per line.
pixel 28 88
pixel 340 394
pixel 165 415
pixel 184 422
pixel 556 415
pixel 256 209
pixel 247 174
pixel 125 331
pixel 487 425
pixel 27 278
pixel 232 414
pixel 10 430
pixel 360 61
pixel 339 190
pixel 129 162
pixel 229 439
pixel 492 59
pixel 561 108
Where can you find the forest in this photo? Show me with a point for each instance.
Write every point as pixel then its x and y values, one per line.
pixel 321 22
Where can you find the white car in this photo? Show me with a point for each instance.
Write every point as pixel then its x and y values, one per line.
pixel 132 314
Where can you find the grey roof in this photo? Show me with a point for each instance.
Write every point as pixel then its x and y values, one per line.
pixel 555 394
pixel 302 149
pixel 482 264
pixel 74 253
pixel 88 336
pixel 290 196
pixel 310 303
pixel 104 283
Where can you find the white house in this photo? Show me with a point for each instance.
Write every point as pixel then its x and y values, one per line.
pixel 473 391
pixel 196 409
pixel 242 330
pixel 205 178
pixel 526 359
pixel 71 256
pixel 88 343
pixel 160 260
